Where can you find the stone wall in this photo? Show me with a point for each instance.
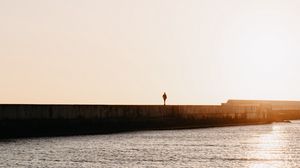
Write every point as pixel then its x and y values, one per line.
pixel 45 120
pixel 24 112
pixel 233 109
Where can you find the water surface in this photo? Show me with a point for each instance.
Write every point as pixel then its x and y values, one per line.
pixel 272 145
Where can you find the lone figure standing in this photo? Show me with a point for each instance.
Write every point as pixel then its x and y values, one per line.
pixel 165 98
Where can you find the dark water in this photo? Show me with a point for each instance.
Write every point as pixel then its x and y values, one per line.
pixel 273 145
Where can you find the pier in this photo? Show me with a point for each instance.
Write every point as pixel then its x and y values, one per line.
pixel 37 119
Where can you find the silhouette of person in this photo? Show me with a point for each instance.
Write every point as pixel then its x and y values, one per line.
pixel 165 98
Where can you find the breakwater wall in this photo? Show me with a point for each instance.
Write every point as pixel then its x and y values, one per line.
pixel 125 112
pixel 25 119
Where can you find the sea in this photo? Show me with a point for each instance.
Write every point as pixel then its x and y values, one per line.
pixel 255 146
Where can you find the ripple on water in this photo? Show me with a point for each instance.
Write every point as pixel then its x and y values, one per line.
pixel 274 145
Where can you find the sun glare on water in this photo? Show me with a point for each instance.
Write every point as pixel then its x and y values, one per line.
pixel 267 149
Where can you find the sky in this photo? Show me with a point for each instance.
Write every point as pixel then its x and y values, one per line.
pixel 131 51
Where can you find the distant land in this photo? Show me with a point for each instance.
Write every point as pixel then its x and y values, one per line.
pixel 25 120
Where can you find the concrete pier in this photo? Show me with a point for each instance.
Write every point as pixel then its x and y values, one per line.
pixel 32 119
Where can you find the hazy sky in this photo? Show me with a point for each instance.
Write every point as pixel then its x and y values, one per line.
pixel 131 51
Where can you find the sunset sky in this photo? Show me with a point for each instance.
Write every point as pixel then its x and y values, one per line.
pixel 131 51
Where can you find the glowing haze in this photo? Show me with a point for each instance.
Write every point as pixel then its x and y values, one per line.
pixel 131 51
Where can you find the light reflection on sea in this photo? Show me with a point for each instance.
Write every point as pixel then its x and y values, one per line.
pixel 272 145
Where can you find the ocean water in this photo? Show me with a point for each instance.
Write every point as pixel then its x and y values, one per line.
pixel 271 145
